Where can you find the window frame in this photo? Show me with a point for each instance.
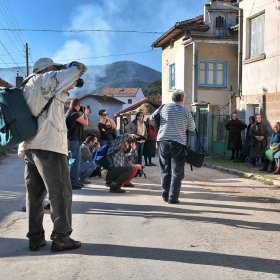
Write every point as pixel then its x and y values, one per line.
pixel 215 73
pixel 172 73
pixel 259 35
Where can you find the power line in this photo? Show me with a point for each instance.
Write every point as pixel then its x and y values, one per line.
pixel 81 30
pixel 13 20
pixel 11 57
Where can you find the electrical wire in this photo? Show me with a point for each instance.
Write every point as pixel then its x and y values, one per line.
pixel 81 30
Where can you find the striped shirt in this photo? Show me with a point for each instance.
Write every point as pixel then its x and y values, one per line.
pixel 175 120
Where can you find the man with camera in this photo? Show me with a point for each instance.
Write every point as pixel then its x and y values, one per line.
pixel 175 120
pixel 87 165
pixel 46 169
pixel 121 154
pixel 76 119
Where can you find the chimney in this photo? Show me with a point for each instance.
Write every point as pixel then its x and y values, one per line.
pixel 18 80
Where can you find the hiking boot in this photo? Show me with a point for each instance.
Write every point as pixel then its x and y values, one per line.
pixel 36 243
pixel 66 244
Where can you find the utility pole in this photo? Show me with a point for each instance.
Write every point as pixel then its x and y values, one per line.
pixel 26 54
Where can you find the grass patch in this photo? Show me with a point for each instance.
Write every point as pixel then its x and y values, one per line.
pixel 251 172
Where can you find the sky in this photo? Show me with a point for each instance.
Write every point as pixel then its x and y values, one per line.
pixel 42 25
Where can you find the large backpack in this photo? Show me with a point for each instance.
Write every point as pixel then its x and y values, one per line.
pixel 101 158
pixel 17 124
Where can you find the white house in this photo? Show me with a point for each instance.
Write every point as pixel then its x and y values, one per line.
pixel 126 95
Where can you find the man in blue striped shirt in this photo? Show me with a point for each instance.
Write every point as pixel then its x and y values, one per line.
pixel 175 120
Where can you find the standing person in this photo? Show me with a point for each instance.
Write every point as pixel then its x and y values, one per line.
pixel 258 133
pixel 175 120
pixel 76 119
pixel 138 126
pixel 107 128
pixel 273 149
pixel 87 165
pixel 125 123
pixel 245 151
pixel 149 150
pixel 234 127
pixel 46 169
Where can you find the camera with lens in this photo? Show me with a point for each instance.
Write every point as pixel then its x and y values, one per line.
pixel 132 140
pixel 80 83
pixel 141 172
pixel 82 109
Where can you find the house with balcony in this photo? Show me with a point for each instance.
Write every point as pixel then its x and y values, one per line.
pixel 200 56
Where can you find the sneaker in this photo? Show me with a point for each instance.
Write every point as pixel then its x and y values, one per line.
pixel 129 185
pixel 37 243
pixel 117 190
pixel 84 182
pixel 76 187
pixel 68 244
pixel 152 164
pixel 147 164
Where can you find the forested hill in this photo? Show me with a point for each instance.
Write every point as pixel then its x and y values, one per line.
pixel 120 74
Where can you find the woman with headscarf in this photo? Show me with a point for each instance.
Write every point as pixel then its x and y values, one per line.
pixel 245 151
pixel 234 127
pixel 258 133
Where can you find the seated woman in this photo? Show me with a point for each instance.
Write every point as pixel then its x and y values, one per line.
pixel 273 148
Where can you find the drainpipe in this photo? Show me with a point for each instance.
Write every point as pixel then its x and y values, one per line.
pixel 240 45
pixel 195 71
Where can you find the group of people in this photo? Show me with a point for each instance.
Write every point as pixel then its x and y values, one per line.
pixel 255 144
pixel 59 146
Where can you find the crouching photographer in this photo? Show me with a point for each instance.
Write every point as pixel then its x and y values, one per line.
pixel 121 154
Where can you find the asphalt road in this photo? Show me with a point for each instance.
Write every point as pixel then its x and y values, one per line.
pixel 225 227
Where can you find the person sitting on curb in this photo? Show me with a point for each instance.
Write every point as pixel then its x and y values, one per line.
pixel 87 165
pixel 120 171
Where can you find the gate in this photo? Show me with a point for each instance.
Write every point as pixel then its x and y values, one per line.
pixel 219 135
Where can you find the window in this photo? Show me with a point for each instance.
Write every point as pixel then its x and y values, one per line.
pixel 220 21
pixel 172 76
pixel 257 35
pixel 129 101
pixel 212 73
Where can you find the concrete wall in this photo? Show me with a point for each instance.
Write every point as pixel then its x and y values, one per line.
pixel 95 106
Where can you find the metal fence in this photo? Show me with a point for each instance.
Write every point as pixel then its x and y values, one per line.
pixel 219 135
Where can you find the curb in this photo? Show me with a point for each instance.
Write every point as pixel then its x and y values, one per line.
pixel 275 183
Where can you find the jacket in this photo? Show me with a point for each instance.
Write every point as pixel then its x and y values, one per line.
pixel 132 128
pixel 52 130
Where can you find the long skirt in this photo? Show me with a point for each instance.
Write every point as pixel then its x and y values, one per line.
pixel 149 148
pixel 257 151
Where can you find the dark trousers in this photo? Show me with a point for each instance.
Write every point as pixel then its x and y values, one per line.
pixel 117 175
pixel 47 172
pixel 139 149
pixel 172 157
